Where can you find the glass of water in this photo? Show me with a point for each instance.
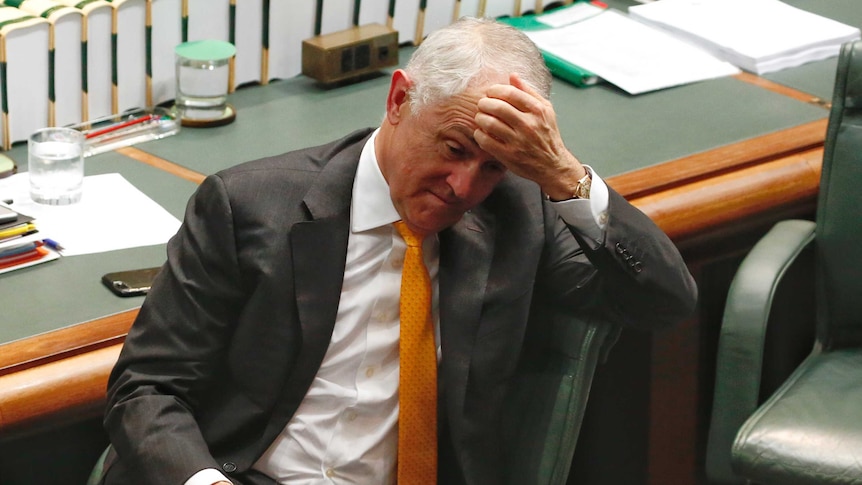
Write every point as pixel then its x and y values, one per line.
pixel 203 78
pixel 55 158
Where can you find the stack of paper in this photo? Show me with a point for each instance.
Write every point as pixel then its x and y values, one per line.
pixel 633 56
pixel 759 36
pixel 136 220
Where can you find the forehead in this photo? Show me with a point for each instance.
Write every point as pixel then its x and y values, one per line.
pixel 462 106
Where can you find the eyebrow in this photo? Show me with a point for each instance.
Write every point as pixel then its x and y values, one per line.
pixel 466 132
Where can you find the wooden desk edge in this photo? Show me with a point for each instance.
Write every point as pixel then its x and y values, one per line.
pixel 65 342
pixel 734 157
pixel 64 390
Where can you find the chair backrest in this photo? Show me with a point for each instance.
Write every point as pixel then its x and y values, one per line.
pixel 839 211
pixel 548 396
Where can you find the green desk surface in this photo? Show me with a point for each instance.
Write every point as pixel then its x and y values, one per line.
pixel 68 291
pixel 602 125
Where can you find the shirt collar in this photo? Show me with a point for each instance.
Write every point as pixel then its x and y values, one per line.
pixel 371 204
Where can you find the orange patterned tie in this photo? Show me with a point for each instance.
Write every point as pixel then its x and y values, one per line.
pixel 417 391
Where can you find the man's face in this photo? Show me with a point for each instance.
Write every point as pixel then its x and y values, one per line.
pixel 435 169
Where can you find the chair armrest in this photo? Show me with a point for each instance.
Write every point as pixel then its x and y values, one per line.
pixel 548 396
pixel 741 343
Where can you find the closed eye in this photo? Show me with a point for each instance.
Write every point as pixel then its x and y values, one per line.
pixel 456 151
pixel 494 166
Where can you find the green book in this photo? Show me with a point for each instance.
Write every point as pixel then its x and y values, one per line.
pixel 560 68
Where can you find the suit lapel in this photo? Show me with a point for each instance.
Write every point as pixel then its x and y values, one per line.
pixel 318 250
pixel 465 262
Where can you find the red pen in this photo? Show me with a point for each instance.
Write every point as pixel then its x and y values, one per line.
pixel 119 126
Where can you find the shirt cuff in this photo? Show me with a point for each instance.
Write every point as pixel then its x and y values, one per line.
pixel 207 476
pixel 589 217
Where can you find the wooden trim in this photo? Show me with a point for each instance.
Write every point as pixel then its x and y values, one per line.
pixel 782 89
pixel 160 163
pixel 73 386
pixel 730 198
pixel 63 343
pixel 698 167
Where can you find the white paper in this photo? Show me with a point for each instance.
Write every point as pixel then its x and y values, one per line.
pixel 569 15
pixel 633 56
pixel 758 35
pixel 112 214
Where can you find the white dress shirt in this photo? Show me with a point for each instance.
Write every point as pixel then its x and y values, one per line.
pixel 345 430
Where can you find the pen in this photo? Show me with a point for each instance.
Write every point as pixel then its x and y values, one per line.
pixel 119 126
pixel 53 244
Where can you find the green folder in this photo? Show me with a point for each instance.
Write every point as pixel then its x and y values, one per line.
pixel 561 68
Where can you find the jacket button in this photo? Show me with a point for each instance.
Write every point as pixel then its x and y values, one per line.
pixel 229 467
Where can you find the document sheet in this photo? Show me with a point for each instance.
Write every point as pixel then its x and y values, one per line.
pixel 633 56
pixel 112 214
pixel 760 36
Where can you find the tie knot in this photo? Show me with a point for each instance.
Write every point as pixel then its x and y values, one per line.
pixel 411 238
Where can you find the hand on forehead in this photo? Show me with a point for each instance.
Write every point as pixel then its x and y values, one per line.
pixel 508 109
pixel 516 93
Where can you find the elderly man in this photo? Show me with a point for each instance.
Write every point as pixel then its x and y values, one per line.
pixel 279 343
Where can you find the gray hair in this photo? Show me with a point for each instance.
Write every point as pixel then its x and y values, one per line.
pixel 470 50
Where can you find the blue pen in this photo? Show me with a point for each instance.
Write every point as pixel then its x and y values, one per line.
pixel 52 244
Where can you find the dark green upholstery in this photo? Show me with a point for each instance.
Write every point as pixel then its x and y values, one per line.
pixel 548 397
pixel 96 473
pixel 809 430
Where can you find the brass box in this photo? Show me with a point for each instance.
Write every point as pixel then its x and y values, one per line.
pixel 350 53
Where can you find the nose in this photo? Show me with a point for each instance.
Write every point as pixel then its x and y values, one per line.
pixel 464 179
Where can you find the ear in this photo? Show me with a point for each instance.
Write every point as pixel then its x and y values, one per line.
pixel 397 98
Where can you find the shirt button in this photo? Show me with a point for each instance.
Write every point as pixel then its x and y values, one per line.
pixel 369 371
pixel 350 415
pixel 330 472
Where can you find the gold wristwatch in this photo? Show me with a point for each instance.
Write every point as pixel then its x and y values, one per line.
pixel 582 190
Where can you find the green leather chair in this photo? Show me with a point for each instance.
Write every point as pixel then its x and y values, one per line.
pixel 809 430
pixel 546 404
pixel 548 398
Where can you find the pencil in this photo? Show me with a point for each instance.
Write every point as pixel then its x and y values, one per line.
pixel 119 126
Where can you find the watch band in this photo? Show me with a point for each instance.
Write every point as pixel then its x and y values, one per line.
pixel 582 190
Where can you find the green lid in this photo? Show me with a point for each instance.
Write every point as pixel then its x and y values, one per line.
pixel 205 50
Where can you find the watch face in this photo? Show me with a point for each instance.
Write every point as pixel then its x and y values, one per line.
pixel 583 190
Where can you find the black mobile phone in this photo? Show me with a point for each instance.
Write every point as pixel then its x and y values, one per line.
pixel 132 282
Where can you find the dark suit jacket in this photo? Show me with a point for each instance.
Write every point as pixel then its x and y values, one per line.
pixel 237 323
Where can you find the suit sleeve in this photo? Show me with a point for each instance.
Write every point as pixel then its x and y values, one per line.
pixel 175 347
pixel 639 278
